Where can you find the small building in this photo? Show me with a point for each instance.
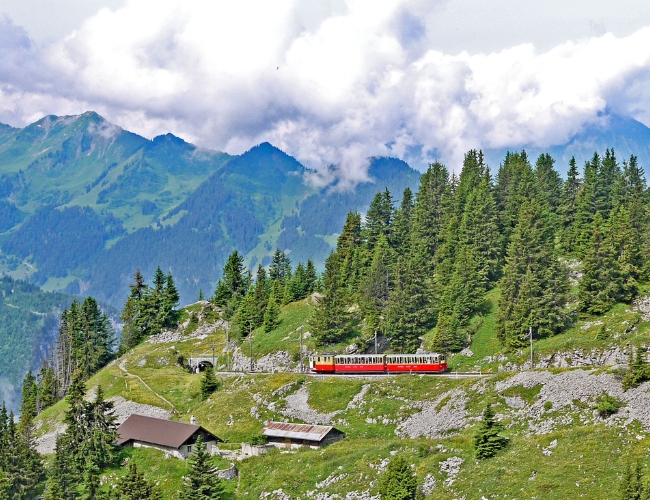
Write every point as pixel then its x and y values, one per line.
pixel 285 435
pixel 174 438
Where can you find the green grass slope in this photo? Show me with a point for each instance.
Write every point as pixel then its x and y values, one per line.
pixel 558 449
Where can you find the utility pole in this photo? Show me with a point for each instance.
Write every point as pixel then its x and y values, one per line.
pixel 227 348
pixel 300 328
pixel 213 365
pixel 375 341
pixel 250 339
pixel 531 348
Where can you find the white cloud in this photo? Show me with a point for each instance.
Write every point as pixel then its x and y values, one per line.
pixel 333 85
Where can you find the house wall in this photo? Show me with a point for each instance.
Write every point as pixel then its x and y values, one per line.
pixel 182 452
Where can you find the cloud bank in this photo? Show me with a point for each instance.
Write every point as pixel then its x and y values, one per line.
pixel 332 84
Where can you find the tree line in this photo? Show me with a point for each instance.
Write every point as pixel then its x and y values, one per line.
pixel 254 302
pixel 427 264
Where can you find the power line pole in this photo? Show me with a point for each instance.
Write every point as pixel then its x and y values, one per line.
pixel 531 348
pixel 375 341
pixel 227 348
pixel 213 365
pixel 301 362
pixel 250 339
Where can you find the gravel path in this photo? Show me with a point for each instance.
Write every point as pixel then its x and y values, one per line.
pixel 122 367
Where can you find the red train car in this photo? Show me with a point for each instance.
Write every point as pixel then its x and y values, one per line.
pixel 379 363
pixel 418 363
pixel 360 363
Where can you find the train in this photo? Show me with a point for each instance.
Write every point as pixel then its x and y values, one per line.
pixel 378 363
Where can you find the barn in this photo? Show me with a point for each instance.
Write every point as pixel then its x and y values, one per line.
pixel 175 438
pixel 286 435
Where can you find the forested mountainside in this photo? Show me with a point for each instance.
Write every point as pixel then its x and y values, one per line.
pixel 29 324
pixel 420 272
pixel 84 203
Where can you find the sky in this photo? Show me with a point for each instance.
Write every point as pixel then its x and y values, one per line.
pixel 332 82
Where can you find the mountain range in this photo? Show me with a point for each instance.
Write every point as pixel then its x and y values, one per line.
pixel 84 203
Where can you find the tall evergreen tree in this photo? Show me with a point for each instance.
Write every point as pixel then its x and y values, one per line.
pixel 487 441
pixel 271 315
pixel 568 208
pixel 201 483
pixel 535 285
pixel 331 320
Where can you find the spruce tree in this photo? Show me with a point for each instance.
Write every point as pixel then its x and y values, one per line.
pixel 568 208
pixel 597 290
pixel 312 277
pixel 331 320
pixel 378 219
pixel 209 383
pixel 134 486
pixel 487 441
pixel 200 482
pixel 401 229
pixel 631 487
pixel 271 315
pixel 398 482
pixel 534 285
pixel 350 237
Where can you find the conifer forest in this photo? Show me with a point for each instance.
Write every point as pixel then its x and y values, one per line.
pixel 417 264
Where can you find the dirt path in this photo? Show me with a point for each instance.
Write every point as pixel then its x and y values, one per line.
pixel 128 374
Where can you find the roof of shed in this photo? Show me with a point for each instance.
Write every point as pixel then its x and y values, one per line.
pixel 297 431
pixel 156 431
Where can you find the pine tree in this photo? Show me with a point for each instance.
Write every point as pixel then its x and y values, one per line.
pixel 312 277
pixel 487 441
pixel 407 314
pixel 549 182
pixel 568 208
pixel 597 290
pixel 378 219
pixel 209 383
pixel 350 237
pixel 330 320
pixel 134 486
pixel 271 315
pixel 375 286
pixel 170 300
pixel 534 285
pixel 231 286
pixel 631 487
pixel 401 230
pixel 201 483
pixel 398 482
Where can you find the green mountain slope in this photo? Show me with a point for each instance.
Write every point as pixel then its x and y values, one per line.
pixel 557 439
pixel 29 322
pixel 83 204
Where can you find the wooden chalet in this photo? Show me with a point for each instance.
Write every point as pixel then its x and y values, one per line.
pixel 174 438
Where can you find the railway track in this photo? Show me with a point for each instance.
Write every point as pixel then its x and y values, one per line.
pixel 376 376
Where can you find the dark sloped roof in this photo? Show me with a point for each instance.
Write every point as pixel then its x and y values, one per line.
pixel 297 431
pixel 156 431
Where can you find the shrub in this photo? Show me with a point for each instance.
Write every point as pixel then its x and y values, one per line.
pixel 398 482
pixel 608 405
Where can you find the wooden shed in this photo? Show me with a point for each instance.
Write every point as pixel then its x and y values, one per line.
pixel 286 435
pixel 174 438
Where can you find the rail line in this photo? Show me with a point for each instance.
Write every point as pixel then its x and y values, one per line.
pixel 365 376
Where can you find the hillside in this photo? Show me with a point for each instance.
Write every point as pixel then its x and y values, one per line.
pixel 29 321
pixel 83 204
pixel 556 437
